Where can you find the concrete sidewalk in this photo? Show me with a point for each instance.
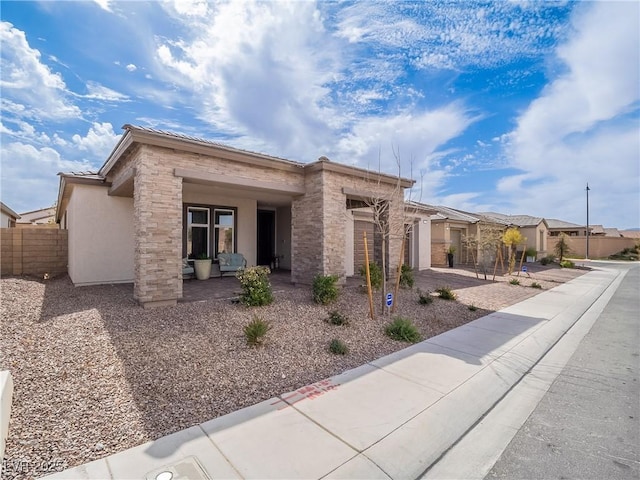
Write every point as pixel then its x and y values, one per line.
pixel 391 418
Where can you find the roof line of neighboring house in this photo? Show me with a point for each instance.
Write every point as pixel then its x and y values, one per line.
pixel 8 211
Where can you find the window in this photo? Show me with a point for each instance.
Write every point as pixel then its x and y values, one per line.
pixel 197 231
pixel 208 229
pixel 223 236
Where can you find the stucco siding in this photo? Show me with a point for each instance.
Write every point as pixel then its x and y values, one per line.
pixel 101 238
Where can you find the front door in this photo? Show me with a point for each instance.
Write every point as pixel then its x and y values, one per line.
pixel 266 237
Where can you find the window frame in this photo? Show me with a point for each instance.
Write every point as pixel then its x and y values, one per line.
pixel 212 226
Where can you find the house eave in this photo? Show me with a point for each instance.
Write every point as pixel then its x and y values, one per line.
pixel 141 136
pixel 328 165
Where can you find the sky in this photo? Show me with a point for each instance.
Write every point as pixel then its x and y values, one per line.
pixel 507 106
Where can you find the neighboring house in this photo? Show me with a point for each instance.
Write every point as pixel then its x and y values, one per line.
pixel 449 227
pixel 535 229
pixel 8 217
pixel 630 233
pixel 43 216
pixel 556 227
pixel 160 197
pixel 600 231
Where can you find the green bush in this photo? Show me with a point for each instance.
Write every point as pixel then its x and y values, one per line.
pixel 336 318
pixel 536 285
pixel 445 293
pixel 325 289
pixel 338 347
pixel 255 331
pixel 547 260
pixel 406 276
pixel 514 281
pixel 256 289
pixel 567 264
pixel 403 329
pixel 472 307
pixel 424 298
pixel 375 272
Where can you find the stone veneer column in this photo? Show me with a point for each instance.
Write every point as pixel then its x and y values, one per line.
pixel 335 218
pixel 396 220
pixel 158 231
pixel 307 235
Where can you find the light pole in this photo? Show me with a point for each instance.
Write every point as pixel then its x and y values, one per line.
pixel 587 255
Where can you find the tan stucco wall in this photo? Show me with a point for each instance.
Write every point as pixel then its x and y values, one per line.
pixel 421 254
pixel 101 239
pixel 599 247
pixel 534 239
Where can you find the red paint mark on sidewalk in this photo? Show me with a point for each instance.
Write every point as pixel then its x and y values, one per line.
pixel 308 392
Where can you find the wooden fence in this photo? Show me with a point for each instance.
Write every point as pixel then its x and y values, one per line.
pixel 33 251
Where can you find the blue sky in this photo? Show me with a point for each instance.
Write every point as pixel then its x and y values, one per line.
pixel 506 106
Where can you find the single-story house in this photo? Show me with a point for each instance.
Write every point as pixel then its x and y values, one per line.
pixel 8 217
pixel 40 217
pixel 556 227
pixel 449 228
pixel 535 229
pixel 161 197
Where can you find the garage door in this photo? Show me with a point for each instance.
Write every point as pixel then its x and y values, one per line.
pixel 358 244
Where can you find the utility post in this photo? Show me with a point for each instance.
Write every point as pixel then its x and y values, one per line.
pixel 587 255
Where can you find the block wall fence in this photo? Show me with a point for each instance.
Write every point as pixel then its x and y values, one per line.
pixel 33 251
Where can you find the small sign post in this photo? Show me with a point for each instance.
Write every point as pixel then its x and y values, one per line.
pixel 524 269
pixel 389 300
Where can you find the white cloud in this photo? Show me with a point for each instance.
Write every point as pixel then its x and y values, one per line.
pixel 104 4
pixel 584 125
pixel 99 141
pixel 30 177
pixel 26 81
pixel 418 136
pixel 131 67
pixel 256 69
pixel 100 92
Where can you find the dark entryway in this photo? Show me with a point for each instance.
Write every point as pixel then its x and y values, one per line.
pixel 266 235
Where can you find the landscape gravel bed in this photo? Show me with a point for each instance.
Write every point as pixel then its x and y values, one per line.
pixel 95 374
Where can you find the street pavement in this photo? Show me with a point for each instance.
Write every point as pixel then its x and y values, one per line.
pixel 396 417
pixel 588 425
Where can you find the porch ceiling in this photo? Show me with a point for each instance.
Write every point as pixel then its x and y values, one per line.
pixel 264 198
pixel 266 193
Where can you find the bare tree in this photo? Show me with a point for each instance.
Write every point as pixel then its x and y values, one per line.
pixel 389 218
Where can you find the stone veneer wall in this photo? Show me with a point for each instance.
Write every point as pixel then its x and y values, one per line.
pixel 157 205
pixel 319 221
pixel 307 234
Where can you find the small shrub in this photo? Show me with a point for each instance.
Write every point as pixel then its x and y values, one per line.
pixel 514 281
pixel 536 285
pixel 547 260
pixel 424 298
pixel 472 307
pixel 255 331
pixel 445 293
pixel 567 264
pixel 256 289
pixel 403 330
pixel 406 276
pixel 336 318
pixel 325 289
pixel 375 273
pixel 338 347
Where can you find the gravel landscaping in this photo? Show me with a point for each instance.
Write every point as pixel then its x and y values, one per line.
pixel 95 374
